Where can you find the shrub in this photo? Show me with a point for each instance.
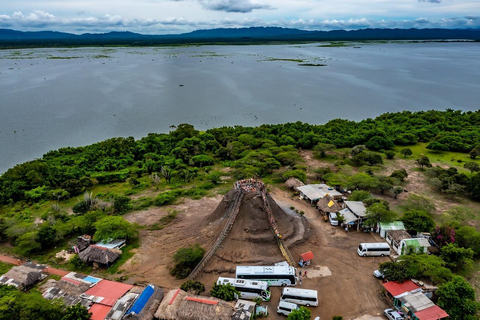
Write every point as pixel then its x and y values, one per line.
pixel 225 292
pixel 359 195
pixel 167 197
pixel 186 259
pixel 81 207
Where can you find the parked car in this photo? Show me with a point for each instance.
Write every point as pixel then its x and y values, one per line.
pixel 378 274
pixel 285 307
pixel 392 314
pixel 333 219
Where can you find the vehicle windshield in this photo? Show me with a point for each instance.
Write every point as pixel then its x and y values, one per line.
pixel 360 248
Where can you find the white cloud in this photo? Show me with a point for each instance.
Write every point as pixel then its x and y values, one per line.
pixel 239 6
pixel 42 20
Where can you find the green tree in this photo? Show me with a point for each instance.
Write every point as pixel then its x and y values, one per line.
pixel 47 236
pixel 186 259
pixel 76 312
pixel 322 148
pixel 378 212
pixel 475 152
pixel 457 298
pixel 114 227
pixel 456 257
pixel 394 271
pixel 416 221
pixel 359 195
pixel 400 174
pixel 121 204
pixel 396 191
pixel 437 146
pixel 81 207
pixel 406 152
pixel 472 166
pixel 390 154
pixel 225 292
pixel 301 313
pixel 429 267
pixel 468 237
pixel 385 183
pixel 321 172
pixel 337 318
pixel 379 143
pixel 362 181
pixel 195 287
pixel 27 243
pixel 423 161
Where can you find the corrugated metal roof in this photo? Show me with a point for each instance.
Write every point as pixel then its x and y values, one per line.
pixel 433 313
pixel 350 218
pixel 357 207
pixel 110 291
pixel 142 300
pixel 416 302
pixel 394 225
pixel 99 311
pixel 397 289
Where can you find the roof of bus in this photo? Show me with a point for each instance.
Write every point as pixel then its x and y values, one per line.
pixel 246 281
pixel 262 269
pixel 297 291
pixel 380 244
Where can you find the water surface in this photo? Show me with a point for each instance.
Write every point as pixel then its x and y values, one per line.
pixel 51 98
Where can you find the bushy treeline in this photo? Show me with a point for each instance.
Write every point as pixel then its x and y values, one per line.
pixel 18 305
pixel 69 171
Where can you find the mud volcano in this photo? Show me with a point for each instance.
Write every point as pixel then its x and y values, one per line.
pixel 251 239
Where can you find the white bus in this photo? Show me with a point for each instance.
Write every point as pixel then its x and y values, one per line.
pixel 274 275
pixel 304 297
pixel 248 289
pixel 373 249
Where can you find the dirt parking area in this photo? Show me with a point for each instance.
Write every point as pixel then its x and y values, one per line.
pixel 344 281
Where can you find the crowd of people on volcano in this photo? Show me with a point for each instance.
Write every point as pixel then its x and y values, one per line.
pixel 253 185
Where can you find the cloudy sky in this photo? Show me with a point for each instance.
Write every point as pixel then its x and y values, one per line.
pixel 177 16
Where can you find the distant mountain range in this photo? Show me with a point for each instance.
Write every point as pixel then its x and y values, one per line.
pixel 254 34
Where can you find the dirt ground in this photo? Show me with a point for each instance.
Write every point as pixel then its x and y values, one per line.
pixel 344 280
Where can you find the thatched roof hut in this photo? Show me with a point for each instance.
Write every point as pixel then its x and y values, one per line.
pixel 22 277
pixel 148 311
pixel 293 183
pixel 99 255
pixel 327 204
pixel 170 304
pixel 177 304
pixel 83 242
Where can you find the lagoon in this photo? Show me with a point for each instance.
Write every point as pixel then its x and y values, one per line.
pixel 52 98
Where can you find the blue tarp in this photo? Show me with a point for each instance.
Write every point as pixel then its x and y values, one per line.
pixel 91 279
pixel 142 300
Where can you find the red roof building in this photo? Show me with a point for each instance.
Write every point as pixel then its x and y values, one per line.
pixel 433 313
pixel 110 291
pixel 397 289
pixel 307 256
pixel 99 311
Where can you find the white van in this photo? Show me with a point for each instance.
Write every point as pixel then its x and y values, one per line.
pixel 333 219
pixel 300 296
pixel 373 249
pixel 286 307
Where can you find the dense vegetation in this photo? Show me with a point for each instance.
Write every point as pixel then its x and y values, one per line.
pixel 18 305
pixel 50 200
